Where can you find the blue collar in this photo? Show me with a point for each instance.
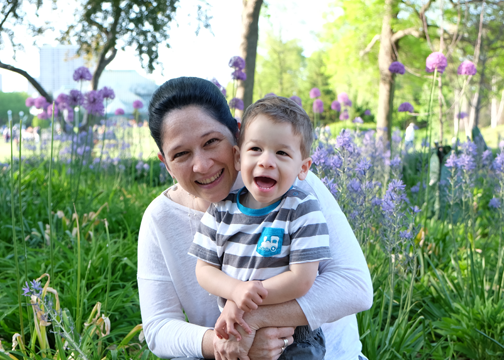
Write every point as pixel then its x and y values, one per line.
pixel 255 212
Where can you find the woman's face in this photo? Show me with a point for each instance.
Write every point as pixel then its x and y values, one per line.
pixel 198 152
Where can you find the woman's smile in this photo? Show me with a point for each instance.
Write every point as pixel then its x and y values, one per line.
pixel 211 179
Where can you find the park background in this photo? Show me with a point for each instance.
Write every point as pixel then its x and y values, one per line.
pixel 72 201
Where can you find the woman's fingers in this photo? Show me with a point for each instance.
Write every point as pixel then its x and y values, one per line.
pixel 286 332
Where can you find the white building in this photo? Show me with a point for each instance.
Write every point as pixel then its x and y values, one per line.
pixel 1 82
pixel 57 65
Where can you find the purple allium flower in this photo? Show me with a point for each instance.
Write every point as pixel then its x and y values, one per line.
pixel 137 104
pixel 236 103
pixel 358 120
pixel 296 99
pixel 436 60
pixel 221 88
pixel 367 112
pixel 75 98
pixel 43 116
pixel 270 94
pixel 462 115
pixel 498 163
pixel 40 102
pixel 343 98
pixel 239 75
pixel 466 162
pixel 354 186
pixel 30 102
pixel 314 93
pixel 107 93
pixel 335 105
pixel 237 62
pixel 405 107
pixel 397 68
pixel 494 203
pixel 395 162
pixel 318 106
pixel 344 115
pixel 119 111
pixel 82 73
pixel 93 103
pixel 466 68
pixel 50 108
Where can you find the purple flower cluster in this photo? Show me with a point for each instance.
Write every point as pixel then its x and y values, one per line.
pixel 314 93
pixel 237 63
pixel 236 103
pixel 75 98
pixel 343 99
pixel 397 68
pixel 137 104
pixel 82 74
pixel 406 107
pixel 336 106
pixel 107 93
pixel 436 60
pixel 466 68
pixel 344 115
pixel 297 100
pixel 318 106
pixel 119 111
pixel 93 103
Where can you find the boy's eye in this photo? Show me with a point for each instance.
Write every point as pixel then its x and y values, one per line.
pixel 283 153
pixel 255 148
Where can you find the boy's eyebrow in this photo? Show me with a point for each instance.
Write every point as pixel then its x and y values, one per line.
pixel 280 144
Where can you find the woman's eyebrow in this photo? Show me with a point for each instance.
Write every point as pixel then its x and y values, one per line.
pixel 202 136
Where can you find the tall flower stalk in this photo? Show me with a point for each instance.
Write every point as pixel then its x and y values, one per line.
pixel 49 201
pixel 14 237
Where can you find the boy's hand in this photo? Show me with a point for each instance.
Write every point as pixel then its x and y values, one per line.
pixel 230 316
pixel 249 295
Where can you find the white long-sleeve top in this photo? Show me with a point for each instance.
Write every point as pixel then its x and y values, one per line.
pixel 168 286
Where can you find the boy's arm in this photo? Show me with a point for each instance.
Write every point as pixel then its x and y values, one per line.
pixel 291 284
pixel 247 295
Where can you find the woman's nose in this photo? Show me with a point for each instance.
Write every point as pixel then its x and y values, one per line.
pixel 202 163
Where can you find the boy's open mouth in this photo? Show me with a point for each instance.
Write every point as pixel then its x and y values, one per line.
pixel 264 182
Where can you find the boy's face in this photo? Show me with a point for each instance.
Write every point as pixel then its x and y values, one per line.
pixel 270 160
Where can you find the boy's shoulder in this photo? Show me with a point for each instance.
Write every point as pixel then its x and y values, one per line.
pixel 228 201
pixel 298 194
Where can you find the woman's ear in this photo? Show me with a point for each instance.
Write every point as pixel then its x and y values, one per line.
pixel 162 159
pixel 237 159
pixel 305 167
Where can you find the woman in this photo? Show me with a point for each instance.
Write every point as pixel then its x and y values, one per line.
pixel 190 121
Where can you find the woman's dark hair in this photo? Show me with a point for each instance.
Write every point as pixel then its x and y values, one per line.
pixel 187 91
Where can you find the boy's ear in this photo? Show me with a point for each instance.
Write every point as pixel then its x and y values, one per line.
pixel 237 159
pixel 305 167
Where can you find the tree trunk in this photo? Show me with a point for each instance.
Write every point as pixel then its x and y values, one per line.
pixel 248 49
pixel 102 63
pixel 497 108
pixel 383 123
pixel 28 77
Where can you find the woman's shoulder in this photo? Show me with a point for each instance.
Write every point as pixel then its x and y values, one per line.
pixel 163 209
pixel 312 185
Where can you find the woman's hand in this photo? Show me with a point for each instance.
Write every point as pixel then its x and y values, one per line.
pixel 268 343
pixel 232 349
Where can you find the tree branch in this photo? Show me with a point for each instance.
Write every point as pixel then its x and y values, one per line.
pixel 402 33
pixel 14 5
pixel 27 76
pixel 370 46
pixel 424 22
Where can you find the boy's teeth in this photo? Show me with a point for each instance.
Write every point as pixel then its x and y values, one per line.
pixel 213 178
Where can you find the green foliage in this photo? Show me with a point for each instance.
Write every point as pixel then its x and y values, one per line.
pixel 14 101
pixel 42 123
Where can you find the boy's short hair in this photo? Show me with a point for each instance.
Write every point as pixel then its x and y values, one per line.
pixel 282 110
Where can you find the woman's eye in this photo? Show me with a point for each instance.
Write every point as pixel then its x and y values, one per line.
pixel 211 141
pixel 177 155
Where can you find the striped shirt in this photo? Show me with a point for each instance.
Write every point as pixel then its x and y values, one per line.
pixel 257 244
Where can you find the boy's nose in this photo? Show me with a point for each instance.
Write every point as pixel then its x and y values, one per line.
pixel 267 160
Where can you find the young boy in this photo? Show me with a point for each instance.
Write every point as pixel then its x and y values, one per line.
pixel 263 243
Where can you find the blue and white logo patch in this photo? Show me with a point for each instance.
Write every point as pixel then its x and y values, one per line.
pixel 270 242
